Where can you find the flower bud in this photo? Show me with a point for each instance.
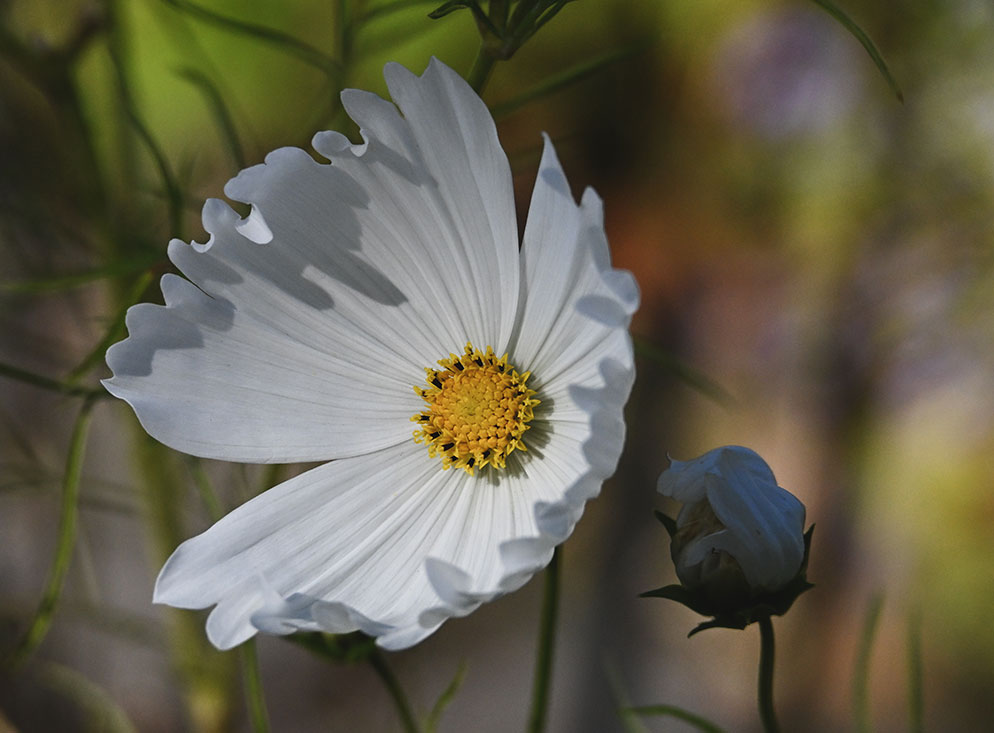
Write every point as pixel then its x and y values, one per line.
pixel 738 542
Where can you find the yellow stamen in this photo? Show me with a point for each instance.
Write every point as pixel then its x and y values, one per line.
pixel 478 407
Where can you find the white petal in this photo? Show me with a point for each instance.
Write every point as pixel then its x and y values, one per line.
pixel 440 215
pixel 474 179
pixel 684 480
pixel 574 308
pixel 572 335
pixel 387 543
pixel 207 380
pixel 765 522
pixel 344 282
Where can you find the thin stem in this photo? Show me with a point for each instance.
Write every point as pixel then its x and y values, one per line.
pixel 766 653
pixel 483 65
pixel 203 483
pixel 916 685
pixel 66 539
pixel 38 380
pixel 255 700
pixel 546 646
pixel 400 701
pixel 861 674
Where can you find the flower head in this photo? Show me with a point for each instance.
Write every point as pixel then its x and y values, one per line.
pixel 738 542
pixel 377 313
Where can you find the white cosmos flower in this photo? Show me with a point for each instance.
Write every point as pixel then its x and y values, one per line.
pixel 735 521
pixel 356 297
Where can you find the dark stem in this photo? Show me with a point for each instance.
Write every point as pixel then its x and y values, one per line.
pixel 255 699
pixel 400 701
pixel 483 65
pixel 546 646
pixel 766 653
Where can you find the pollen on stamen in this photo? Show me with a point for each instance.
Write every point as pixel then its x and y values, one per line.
pixel 477 408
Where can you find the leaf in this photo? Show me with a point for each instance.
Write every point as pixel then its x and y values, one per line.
pixel 67 281
pixel 733 610
pixel 445 699
pixel 38 380
pixel 452 6
pixel 629 719
pixel 382 11
pixel 283 41
pixel 219 111
pixel 687 374
pixel 568 77
pixel 341 648
pixel 103 713
pixel 170 186
pixel 59 569
pixel 850 25
pixel 484 22
pixel 672 711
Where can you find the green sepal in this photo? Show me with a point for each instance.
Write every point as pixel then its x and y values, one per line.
pixel 343 648
pixel 669 524
pixel 737 612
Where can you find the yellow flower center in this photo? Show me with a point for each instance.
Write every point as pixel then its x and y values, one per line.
pixel 478 407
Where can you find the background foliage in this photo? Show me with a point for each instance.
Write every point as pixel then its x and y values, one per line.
pixel 816 266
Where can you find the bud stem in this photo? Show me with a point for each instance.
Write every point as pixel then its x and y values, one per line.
pixel 546 646
pixel 483 65
pixel 766 653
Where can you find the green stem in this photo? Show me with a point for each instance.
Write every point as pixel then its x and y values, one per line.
pixel 203 483
pixel 22 375
pixel 66 539
pixel 766 653
pixel 916 674
pixel 255 700
pixel 861 674
pixel 483 65
pixel 546 646
pixel 400 701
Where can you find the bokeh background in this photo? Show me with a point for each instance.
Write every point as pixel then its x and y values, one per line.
pixel 816 261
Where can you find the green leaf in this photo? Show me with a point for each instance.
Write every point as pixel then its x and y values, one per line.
pixel 566 78
pixel 170 186
pixel 283 41
pixel 850 25
pixel 445 699
pixel 629 719
pixel 66 542
pixel 102 712
pixel 342 648
pixel 54 385
pixel 219 111
pixel 452 6
pixel 386 9
pixel 687 374
pixel 68 281
pixel 483 21
pixel 732 609
pixel 672 711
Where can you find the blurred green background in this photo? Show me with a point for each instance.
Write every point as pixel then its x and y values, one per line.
pixel 817 270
